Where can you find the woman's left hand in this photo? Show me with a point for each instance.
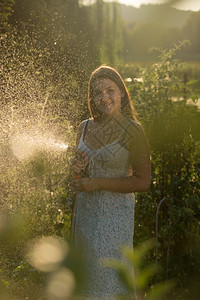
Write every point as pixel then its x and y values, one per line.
pixel 84 184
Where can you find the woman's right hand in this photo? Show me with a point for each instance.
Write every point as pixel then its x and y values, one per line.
pixel 79 163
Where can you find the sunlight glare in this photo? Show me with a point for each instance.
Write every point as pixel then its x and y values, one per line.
pixel 61 285
pixel 48 253
pixel 193 5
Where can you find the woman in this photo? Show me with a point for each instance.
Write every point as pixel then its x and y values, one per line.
pixel 115 164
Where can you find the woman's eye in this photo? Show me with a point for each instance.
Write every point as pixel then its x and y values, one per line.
pixel 97 94
pixel 110 91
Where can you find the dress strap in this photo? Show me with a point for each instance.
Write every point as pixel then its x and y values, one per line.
pixel 122 135
pixel 84 129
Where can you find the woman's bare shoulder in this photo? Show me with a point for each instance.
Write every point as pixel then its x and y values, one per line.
pixel 137 137
pixel 83 123
pixel 134 128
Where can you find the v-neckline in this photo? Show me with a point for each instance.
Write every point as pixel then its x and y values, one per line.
pixel 98 149
pixel 115 141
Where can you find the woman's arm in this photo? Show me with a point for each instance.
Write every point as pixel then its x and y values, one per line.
pixel 139 181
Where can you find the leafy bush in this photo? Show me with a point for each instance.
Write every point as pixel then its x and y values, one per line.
pixel 172 128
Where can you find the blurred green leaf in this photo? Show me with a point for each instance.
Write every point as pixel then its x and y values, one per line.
pixel 145 275
pixel 136 256
pixel 192 82
pixel 160 290
pixel 124 271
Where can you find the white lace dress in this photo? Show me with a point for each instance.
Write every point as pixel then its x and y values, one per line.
pixel 104 219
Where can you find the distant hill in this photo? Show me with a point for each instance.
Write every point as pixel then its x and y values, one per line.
pixel 161 14
pixel 147 27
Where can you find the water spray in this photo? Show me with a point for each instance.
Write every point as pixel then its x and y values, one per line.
pixel 24 146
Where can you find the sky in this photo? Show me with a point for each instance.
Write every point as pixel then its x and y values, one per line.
pixel 181 4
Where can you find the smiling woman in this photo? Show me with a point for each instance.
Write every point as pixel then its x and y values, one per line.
pixel 116 164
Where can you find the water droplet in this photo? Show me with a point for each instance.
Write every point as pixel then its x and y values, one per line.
pixel 48 253
pixel 61 285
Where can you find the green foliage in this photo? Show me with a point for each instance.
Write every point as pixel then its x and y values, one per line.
pixel 172 128
pixel 136 277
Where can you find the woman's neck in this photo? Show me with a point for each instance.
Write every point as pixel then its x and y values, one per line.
pixel 110 118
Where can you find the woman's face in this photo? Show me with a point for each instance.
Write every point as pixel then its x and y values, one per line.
pixel 107 97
